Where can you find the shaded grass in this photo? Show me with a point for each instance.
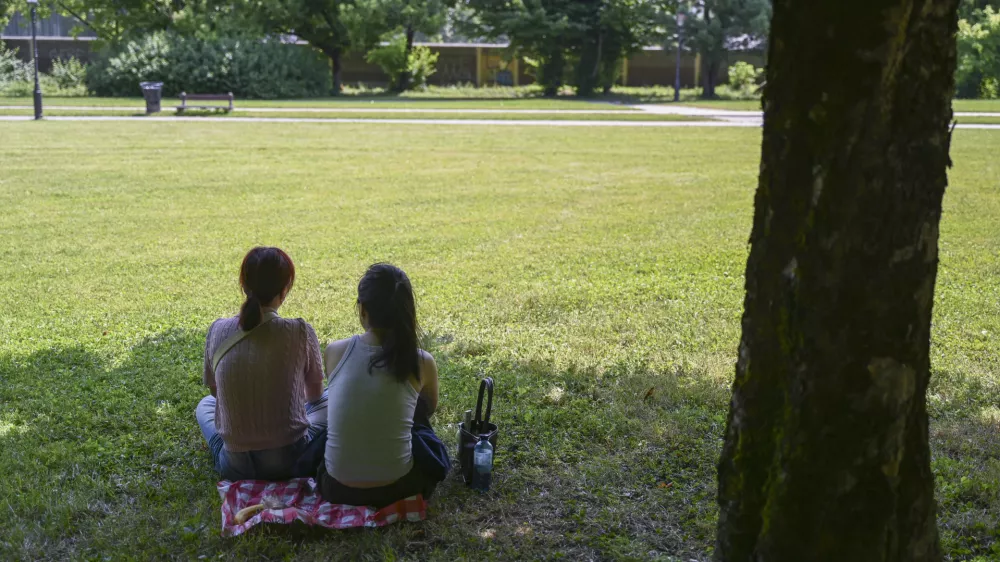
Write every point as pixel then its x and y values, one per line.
pixel 578 268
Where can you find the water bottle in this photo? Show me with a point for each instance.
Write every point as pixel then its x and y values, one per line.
pixel 482 464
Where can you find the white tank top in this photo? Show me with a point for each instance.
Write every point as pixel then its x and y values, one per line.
pixel 369 418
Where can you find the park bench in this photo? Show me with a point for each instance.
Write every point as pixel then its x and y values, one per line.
pixel 185 97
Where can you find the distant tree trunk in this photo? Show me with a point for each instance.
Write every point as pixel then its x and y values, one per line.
pixel 553 65
pixel 336 67
pixel 710 68
pixel 826 455
pixel 710 64
pixel 404 77
pixel 586 67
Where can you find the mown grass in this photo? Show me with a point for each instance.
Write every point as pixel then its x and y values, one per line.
pixel 334 114
pixel 595 274
pixel 346 102
pixel 979 119
pixel 490 98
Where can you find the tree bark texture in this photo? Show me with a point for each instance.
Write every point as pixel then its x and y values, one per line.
pixel 826 455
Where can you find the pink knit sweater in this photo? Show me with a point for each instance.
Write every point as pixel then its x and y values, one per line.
pixel 261 382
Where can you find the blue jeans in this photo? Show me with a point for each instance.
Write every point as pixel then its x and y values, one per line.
pixel 268 464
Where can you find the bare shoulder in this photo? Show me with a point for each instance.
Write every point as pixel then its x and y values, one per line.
pixel 334 352
pixel 426 359
pixel 427 364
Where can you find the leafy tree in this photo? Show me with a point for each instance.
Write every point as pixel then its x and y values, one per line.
pixel 383 19
pixel 412 17
pixel 321 23
pixel 609 31
pixel 968 8
pixel 114 21
pixel 826 454
pixel 539 30
pixel 7 9
pixel 978 73
pixel 216 19
pixel 594 34
pixel 414 66
pixel 715 27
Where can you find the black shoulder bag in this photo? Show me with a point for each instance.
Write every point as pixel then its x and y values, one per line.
pixel 480 425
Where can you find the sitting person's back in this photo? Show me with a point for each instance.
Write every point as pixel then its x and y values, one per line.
pixel 370 415
pixel 381 386
pixel 262 370
pixel 261 382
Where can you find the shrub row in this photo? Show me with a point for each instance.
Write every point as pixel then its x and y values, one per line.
pixel 249 68
pixel 17 77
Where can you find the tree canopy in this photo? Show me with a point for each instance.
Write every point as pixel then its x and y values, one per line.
pixel 717 26
pixel 594 35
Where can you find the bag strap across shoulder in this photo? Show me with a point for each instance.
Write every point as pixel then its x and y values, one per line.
pixel 236 338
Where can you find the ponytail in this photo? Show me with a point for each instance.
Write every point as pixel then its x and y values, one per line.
pixel 250 313
pixel 387 296
pixel 265 274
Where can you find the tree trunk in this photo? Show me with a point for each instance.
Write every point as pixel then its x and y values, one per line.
pixel 404 77
pixel 711 69
pixel 586 68
pixel 337 69
pixel 710 64
pixel 826 455
pixel 551 72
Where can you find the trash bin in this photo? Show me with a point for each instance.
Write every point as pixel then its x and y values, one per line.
pixel 153 92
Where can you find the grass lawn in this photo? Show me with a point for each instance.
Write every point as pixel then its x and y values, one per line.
pixel 334 114
pixel 979 119
pixel 347 101
pixel 595 274
pixel 728 105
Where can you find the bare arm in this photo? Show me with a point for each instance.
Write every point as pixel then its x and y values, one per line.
pixel 208 373
pixel 429 381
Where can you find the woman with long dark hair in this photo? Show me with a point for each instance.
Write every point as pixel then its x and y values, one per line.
pixel 265 374
pixel 382 386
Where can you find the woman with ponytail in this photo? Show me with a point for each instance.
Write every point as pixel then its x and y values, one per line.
pixel 265 374
pixel 382 390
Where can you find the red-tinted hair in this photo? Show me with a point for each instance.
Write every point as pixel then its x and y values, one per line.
pixel 265 273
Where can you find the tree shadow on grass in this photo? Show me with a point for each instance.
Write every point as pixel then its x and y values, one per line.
pixel 105 447
pixel 102 454
pixel 965 447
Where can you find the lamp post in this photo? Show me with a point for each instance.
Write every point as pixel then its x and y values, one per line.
pixel 34 57
pixel 677 67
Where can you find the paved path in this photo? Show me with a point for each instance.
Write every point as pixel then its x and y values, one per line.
pixel 471 122
pixel 709 112
pixel 661 109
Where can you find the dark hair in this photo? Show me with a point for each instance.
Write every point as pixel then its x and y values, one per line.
pixel 386 295
pixel 265 273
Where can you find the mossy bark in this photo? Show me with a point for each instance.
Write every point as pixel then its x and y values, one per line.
pixel 826 455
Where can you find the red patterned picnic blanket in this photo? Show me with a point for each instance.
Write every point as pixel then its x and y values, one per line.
pixel 301 501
